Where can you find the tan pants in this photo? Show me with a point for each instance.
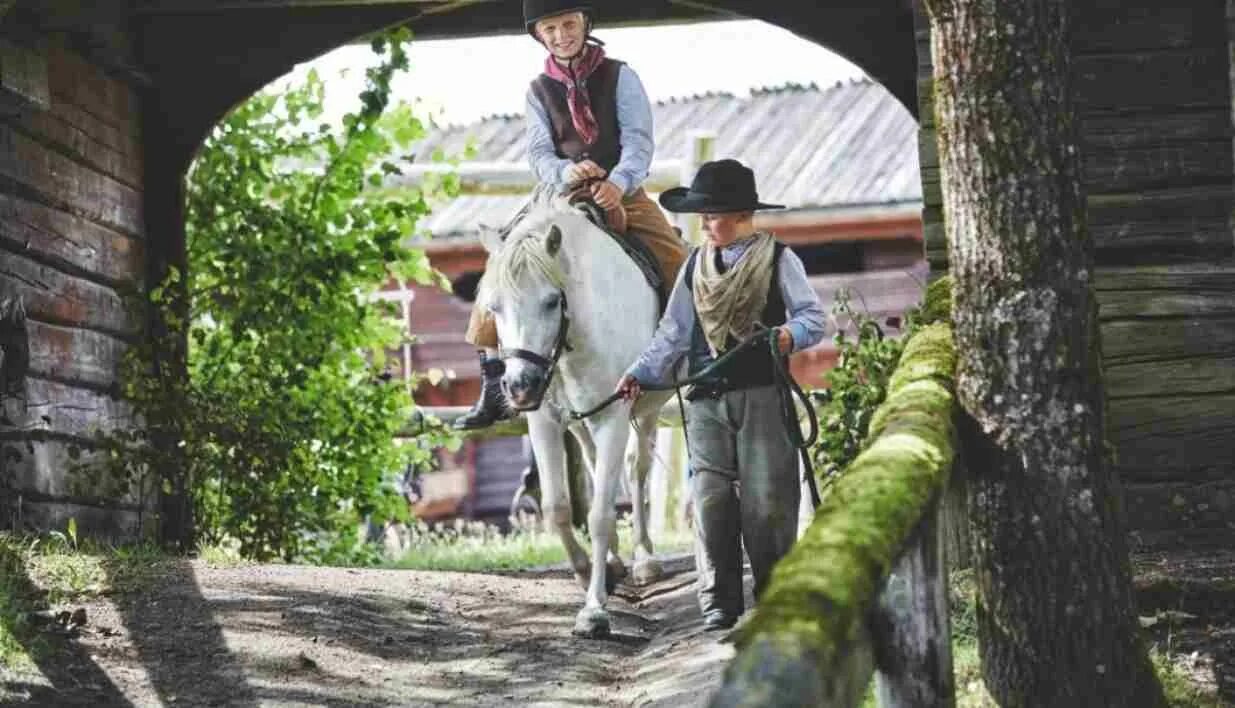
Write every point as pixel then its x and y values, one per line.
pixel 646 221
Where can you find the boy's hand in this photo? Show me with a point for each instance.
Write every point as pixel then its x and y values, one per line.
pixel 628 388
pixel 607 194
pixel 586 169
pixel 784 340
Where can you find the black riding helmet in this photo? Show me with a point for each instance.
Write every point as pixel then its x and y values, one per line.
pixel 536 10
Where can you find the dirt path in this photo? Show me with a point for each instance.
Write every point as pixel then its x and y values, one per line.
pixel 302 636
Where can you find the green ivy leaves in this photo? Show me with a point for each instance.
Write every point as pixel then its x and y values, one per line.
pixel 285 423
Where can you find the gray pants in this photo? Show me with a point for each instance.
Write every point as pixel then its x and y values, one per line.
pixel 745 490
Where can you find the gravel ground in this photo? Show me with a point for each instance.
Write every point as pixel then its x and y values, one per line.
pixel 305 636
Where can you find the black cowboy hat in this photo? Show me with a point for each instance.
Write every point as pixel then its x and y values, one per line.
pixel 719 187
pixel 536 10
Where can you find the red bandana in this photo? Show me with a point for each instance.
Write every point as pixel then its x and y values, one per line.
pixel 577 98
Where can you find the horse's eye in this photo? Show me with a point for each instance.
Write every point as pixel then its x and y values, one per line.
pixel 493 307
pixel 552 302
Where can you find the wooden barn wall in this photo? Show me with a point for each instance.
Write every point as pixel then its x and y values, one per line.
pixel 71 243
pixel 1153 88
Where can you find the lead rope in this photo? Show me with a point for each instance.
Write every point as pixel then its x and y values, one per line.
pixel 787 388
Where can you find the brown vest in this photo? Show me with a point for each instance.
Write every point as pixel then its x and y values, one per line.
pixel 602 90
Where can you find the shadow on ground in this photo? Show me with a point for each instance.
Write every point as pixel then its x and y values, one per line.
pixel 64 672
pixel 288 635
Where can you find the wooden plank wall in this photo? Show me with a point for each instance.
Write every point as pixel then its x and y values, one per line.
pixel 71 243
pixel 1153 87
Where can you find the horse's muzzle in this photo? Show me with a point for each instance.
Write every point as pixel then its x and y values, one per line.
pixel 525 389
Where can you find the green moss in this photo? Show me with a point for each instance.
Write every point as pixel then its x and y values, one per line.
pixel 937 305
pixel 929 356
pixel 820 592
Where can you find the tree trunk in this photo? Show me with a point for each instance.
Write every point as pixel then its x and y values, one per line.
pixel 1056 622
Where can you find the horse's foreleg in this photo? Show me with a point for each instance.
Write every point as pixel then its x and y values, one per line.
pixel 610 437
pixel 615 569
pixel 640 453
pixel 549 446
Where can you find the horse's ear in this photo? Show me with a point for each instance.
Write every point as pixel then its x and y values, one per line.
pixel 553 242
pixel 490 238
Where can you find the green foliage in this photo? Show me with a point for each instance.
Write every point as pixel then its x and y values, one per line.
pixel 855 387
pixel 1181 690
pixel 284 424
pixel 858 383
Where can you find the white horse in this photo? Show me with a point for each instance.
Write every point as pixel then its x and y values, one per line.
pixel 573 312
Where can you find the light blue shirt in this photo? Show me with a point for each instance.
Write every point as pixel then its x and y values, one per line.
pixel 671 342
pixel 634 118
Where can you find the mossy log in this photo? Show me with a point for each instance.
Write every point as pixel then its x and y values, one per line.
pixel 811 640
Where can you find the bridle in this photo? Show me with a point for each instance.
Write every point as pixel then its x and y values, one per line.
pixel 548 363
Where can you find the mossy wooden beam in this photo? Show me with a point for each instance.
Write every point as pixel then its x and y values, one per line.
pixel 806 643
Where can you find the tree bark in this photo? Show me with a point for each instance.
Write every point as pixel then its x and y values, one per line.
pixel 1055 616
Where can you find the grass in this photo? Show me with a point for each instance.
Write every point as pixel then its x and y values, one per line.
pixel 17 637
pixel 222 555
pixel 1181 691
pixel 477 547
pixel 39 573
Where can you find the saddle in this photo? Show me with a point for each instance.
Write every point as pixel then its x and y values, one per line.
pixel 613 222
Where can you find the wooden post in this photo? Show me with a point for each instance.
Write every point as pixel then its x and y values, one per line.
pixel 658 483
pixel 909 625
pixel 167 250
pixel 675 476
pixel 954 521
pixel 700 148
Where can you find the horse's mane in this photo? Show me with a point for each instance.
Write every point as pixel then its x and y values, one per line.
pixel 524 249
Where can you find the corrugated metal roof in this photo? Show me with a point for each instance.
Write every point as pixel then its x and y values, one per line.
pixel 850 144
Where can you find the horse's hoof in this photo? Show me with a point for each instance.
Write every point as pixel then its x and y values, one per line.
pixel 591 623
pixel 648 571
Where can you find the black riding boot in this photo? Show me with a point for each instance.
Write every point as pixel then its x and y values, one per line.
pixel 491 406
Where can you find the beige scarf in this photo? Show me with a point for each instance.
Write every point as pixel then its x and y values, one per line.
pixel 729 304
